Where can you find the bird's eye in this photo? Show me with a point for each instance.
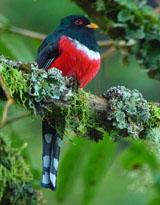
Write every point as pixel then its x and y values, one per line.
pixel 78 22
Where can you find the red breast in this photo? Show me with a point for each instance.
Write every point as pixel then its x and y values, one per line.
pixel 77 60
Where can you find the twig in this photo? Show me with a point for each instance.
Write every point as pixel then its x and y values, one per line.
pixel 24 32
pixel 157 10
pixel 15 118
pixel 28 33
pixel 41 36
pixel 5 112
pixel 107 53
pixel 5 88
pixel 105 43
pixel 8 103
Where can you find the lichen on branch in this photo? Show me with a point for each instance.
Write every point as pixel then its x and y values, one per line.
pixel 120 112
pixel 128 110
pixel 133 26
pixel 31 87
pixel 15 176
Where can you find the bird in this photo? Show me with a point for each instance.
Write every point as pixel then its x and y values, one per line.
pixel 73 49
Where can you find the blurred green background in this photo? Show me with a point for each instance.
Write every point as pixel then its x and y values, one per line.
pixel 89 173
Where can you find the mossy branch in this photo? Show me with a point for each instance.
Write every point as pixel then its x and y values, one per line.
pixel 133 26
pixel 15 176
pixel 120 111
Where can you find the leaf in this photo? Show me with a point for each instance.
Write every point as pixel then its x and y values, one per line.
pixel 99 161
pixel 138 155
pixel 17 47
pixel 155 201
pixel 124 15
pixel 135 33
pixel 4 50
pixel 70 167
pixel 4 22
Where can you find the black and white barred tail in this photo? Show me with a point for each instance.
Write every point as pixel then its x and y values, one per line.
pixel 51 152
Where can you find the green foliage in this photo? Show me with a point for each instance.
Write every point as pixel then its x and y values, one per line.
pixel 153 133
pixel 92 161
pixel 82 154
pixel 16 47
pixel 70 168
pixel 4 22
pixel 154 120
pixel 127 110
pixel 155 201
pixel 144 165
pixel 134 21
pixel 99 162
pixel 15 176
pixel 100 5
pixel 138 155
pixel 142 26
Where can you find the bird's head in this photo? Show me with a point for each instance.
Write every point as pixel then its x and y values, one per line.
pixel 77 22
pixel 79 27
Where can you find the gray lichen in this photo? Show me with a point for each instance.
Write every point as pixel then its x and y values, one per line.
pixel 46 87
pixel 45 93
pixel 127 110
pixel 34 88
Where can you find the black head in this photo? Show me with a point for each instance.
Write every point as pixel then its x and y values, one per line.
pixel 80 28
pixel 77 22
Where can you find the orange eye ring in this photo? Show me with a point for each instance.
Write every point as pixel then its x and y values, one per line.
pixel 78 22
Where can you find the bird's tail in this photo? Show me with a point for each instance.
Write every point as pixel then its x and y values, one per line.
pixel 51 152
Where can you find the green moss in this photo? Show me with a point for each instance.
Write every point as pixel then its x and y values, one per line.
pixel 79 116
pixel 16 83
pixel 153 137
pixel 99 5
pixel 35 90
pixel 154 120
pixel 153 131
pixel 39 90
pixel 15 176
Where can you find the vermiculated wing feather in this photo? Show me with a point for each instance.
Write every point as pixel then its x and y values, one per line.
pixel 48 52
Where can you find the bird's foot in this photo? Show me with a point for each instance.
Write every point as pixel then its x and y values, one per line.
pixel 71 82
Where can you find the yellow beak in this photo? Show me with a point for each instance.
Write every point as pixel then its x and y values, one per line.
pixel 92 25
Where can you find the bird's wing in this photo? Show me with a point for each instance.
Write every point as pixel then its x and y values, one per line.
pixel 48 52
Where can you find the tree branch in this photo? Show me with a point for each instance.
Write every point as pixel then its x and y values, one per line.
pixel 23 32
pixel 132 22
pixel 41 36
pixel 108 53
pixel 120 111
pixel 15 118
pixel 5 88
pixel 8 103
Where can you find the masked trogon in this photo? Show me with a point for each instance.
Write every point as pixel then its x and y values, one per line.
pixel 73 49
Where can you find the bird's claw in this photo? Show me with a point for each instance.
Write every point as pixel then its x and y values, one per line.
pixel 71 82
